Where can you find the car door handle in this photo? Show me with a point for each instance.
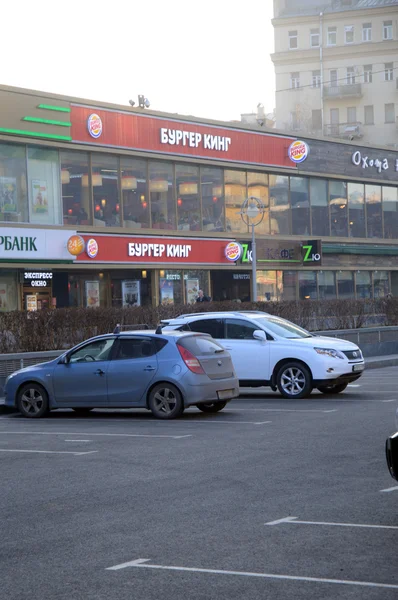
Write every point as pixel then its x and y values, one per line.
pixel 99 372
pixel 228 347
pixel 149 368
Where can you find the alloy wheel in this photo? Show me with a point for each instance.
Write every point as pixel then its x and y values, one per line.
pixel 165 401
pixel 32 401
pixel 293 381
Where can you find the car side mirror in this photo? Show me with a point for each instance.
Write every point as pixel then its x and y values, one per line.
pixel 64 360
pixel 392 455
pixel 260 335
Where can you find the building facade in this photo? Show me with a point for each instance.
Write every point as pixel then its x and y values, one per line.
pixel 107 205
pixel 336 68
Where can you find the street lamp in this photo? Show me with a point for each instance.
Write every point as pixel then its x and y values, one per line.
pixel 252 213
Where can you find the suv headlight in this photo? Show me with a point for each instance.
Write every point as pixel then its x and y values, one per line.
pixel 330 353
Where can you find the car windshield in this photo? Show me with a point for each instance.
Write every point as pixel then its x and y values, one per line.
pixel 283 328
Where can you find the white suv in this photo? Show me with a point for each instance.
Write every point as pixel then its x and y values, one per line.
pixel 270 351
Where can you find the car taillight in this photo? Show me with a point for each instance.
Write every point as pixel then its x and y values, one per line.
pixel 190 360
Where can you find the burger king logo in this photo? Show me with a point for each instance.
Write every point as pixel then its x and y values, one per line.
pixel 233 251
pixel 92 248
pixel 298 151
pixel 75 245
pixel 94 125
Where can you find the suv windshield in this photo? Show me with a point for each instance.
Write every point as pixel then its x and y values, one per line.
pixel 283 328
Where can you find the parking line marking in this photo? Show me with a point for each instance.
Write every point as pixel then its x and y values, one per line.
pixel 392 489
pixel 48 451
pixel 78 440
pixel 354 385
pixel 141 563
pixel 303 410
pixel 393 400
pixel 295 521
pixel 140 435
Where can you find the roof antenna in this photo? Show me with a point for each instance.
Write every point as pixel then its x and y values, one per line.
pixel 117 328
pixel 158 330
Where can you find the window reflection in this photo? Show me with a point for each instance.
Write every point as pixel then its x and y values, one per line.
pixel 257 186
pixel 326 285
pixel 267 286
pixel 188 199
pixel 381 284
pixel 289 287
pixel 212 187
pixel 44 186
pixel 13 186
pixel 390 210
pixel 338 208
pixel 363 284
pixel 307 285
pixel 319 207
pixel 279 204
pixel 134 193
pixel 75 197
pixel 373 208
pixel 105 182
pixel 161 189
pixel 300 203
pixel 235 195
pixel 356 210
pixel 345 284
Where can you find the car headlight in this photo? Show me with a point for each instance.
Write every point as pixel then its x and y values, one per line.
pixel 329 352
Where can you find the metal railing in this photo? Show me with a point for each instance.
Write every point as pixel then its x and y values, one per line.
pixel 342 91
pixel 347 131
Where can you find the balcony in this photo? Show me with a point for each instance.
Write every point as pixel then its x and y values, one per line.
pixel 344 131
pixel 333 92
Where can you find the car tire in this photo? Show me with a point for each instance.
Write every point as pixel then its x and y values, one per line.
pixel 294 380
pixel 333 389
pixel 32 401
pixel 165 401
pixel 212 407
pixel 82 410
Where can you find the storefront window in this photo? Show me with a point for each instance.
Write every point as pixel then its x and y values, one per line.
pixel 13 188
pixel 161 189
pixel 279 204
pixel 44 186
pixel 188 199
pixel 171 287
pixel 8 291
pixel 300 203
pixel 374 211
pixel 289 279
pixel 338 208
pixel 363 284
pixel 105 182
pixel 356 210
pixel 307 285
pixel 88 290
pixel 345 284
pixel 381 284
pixel 230 285
pixel 235 195
pixel 267 286
pixel 390 212
pixel 326 285
pixel 193 282
pixel 257 186
pixel 75 196
pixel 319 207
pixel 212 187
pixel 131 288
pixel 134 193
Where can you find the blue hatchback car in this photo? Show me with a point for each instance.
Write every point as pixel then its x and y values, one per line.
pixel 164 373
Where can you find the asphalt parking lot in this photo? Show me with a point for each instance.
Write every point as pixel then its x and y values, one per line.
pixel 269 499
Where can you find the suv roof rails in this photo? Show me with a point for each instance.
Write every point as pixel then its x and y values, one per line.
pixel 215 312
pixel 119 327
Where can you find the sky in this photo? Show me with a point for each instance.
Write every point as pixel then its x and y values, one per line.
pixel 209 59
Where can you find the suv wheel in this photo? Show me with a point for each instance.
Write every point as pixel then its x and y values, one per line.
pixel 294 380
pixel 333 389
pixel 32 401
pixel 165 401
pixel 212 407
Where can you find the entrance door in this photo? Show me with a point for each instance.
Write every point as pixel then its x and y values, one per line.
pixel 82 381
pixel 333 78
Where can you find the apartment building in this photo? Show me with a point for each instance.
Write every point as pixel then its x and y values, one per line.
pixel 336 68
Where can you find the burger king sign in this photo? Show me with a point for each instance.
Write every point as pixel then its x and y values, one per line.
pixel 298 151
pixel 94 125
pixel 233 251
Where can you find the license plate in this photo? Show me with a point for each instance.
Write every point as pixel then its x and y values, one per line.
pixel 357 368
pixel 225 394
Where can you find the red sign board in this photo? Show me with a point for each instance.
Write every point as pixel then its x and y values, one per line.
pixel 153 250
pixel 172 137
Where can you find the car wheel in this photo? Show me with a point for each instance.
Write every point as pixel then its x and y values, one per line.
pixel 294 380
pixel 212 407
pixel 165 401
pixel 32 401
pixel 333 389
pixel 82 410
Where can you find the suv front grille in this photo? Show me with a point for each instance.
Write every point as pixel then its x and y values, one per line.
pixel 353 354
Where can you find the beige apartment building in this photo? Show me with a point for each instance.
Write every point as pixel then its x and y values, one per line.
pixel 336 68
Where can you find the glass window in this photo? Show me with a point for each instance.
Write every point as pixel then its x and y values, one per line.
pixel 8 291
pixel 326 285
pixel 266 286
pixel 295 80
pixel 289 285
pixel 214 327
pixel 195 281
pixel 388 71
pixel 239 330
pixel 300 203
pixel 135 347
pixel 369 115
pixel 332 36
pixel 188 202
pixel 381 284
pixel 390 212
pixel 368 74
pixel 75 196
pixel 351 114
pixel 356 210
pixel 235 195
pixel 387 30
pixel 350 75
pixel 282 328
pixel 171 287
pixel 316 79
pixel 94 351
pixel 367 32
pixel 279 204
pixel 257 186
pixel 212 187
pixel 389 113
pixel 338 208
pixel 345 284
pixel 105 182
pixel 307 285
pixel 13 187
pixel 134 193
pixel 314 38
pixel 161 188
pixel 293 40
pixel 363 284
pixel 44 186
pixel 349 34
pixel 200 345
pixel 319 207
pixel 374 210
